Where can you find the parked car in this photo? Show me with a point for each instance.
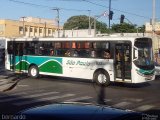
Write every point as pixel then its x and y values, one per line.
pixel 76 111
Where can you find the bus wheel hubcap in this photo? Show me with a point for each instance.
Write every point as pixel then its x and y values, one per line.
pixel 33 72
pixel 102 78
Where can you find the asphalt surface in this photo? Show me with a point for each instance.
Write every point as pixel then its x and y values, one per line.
pixel 47 90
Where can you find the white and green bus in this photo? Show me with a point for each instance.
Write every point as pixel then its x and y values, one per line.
pixel 130 59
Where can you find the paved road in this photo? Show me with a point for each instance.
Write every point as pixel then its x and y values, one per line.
pixel 46 90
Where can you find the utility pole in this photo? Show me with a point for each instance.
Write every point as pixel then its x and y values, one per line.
pixel 109 14
pixel 57 9
pixel 89 22
pixel 153 24
pixel 23 25
pixel 95 26
pixel 45 27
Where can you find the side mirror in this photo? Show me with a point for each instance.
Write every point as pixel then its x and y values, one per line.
pixel 135 54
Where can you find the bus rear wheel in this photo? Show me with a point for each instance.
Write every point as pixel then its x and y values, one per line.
pixel 101 77
pixel 33 71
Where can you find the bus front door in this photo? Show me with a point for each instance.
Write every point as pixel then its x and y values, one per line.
pixel 15 51
pixel 123 61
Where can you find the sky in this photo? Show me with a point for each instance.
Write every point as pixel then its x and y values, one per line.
pixel 136 11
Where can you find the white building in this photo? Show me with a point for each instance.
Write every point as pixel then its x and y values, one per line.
pixel 148 28
pixel 38 20
pixel 75 33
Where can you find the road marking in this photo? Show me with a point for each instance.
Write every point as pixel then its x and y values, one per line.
pixel 18 93
pixel 10 95
pixel 133 99
pixel 3 76
pixel 27 92
pixel 22 85
pixel 28 96
pixel 107 100
pixel 78 99
pixel 121 104
pixel 144 107
pixel 42 99
pixel 6 86
pixel 5 81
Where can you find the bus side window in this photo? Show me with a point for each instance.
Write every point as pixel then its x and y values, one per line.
pixel 20 49
pixel 58 46
pixel 74 53
pixel 67 53
pixel 51 52
pixel 106 54
pixel 87 53
pixel 45 49
pixel 93 54
pixel 10 48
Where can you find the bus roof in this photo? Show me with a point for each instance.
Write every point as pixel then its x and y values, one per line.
pixel 109 38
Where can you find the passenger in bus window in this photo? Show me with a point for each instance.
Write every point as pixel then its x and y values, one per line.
pixel 93 53
pixel 51 52
pixel 75 53
pixel 68 53
pixel 94 45
pixel 106 54
pixel 156 59
pixel 86 53
pixel 119 55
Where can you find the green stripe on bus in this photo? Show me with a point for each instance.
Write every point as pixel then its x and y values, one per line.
pixel 146 71
pixel 51 67
pixel 22 65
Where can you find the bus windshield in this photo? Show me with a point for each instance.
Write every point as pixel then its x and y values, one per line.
pixel 144 57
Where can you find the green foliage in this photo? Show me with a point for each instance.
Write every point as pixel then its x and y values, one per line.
pixel 82 22
pixel 124 28
pixel 141 29
pixel 76 21
pixel 100 26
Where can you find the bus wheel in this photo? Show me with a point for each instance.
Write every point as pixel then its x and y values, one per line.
pixel 33 71
pixel 101 77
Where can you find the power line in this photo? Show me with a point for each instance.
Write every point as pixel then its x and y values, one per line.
pixel 78 10
pixel 73 0
pixel 44 6
pixel 115 9
pixel 131 13
pixel 95 3
pixel 31 4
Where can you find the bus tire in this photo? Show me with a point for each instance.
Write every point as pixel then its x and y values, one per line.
pixel 33 71
pixel 101 77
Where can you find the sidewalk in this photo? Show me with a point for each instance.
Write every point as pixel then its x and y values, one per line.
pixel 4 72
pixel 7 84
pixel 6 80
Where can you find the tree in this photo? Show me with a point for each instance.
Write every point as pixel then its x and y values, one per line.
pixel 124 28
pixel 81 22
pixel 141 29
